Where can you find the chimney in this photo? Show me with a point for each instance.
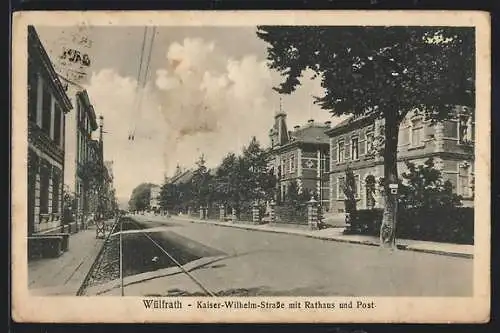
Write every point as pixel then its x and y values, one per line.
pixel 310 121
pixel 296 127
pixel 328 123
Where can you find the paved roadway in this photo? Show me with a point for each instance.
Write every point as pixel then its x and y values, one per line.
pixel 281 264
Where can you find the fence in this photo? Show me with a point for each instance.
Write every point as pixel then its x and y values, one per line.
pixel 291 214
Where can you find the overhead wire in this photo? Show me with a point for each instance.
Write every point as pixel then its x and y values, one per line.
pixel 139 71
pixel 146 73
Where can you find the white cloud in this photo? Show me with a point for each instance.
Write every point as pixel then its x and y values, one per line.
pixel 200 101
pixel 135 161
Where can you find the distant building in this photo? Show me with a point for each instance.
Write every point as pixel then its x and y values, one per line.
pixel 449 143
pixel 48 106
pixel 154 198
pixel 301 155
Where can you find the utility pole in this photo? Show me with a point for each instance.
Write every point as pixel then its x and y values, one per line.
pixel 101 167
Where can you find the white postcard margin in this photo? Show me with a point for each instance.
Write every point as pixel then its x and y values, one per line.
pixel 28 308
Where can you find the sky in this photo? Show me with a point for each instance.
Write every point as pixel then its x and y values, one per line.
pixel 207 91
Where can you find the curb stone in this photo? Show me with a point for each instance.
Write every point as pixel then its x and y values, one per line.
pixel 402 247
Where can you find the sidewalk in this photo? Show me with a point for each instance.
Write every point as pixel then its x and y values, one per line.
pixel 65 275
pixel 336 234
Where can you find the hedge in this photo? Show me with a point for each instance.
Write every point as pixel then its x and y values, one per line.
pixel 455 225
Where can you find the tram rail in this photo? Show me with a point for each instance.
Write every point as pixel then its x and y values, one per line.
pixel 116 230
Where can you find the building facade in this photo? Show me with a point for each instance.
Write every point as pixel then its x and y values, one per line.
pixel 48 105
pixel 80 127
pixel 353 141
pixel 301 155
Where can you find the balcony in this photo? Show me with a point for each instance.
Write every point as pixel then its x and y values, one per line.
pixel 42 140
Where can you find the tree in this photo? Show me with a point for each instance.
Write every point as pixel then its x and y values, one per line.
pixel 139 200
pixel 423 187
pixel 350 191
pixel 227 183
pixel 261 182
pixel 69 205
pixel 382 72
pixel 201 183
pixel 169 197
pixel 295 196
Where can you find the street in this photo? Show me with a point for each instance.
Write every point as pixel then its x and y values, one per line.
pixel 280 264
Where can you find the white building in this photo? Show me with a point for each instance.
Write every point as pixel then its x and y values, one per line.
pixel 154 198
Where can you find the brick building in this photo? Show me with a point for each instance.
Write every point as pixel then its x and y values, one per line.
pixel 301 155
pixel 48 105
pixel 449 143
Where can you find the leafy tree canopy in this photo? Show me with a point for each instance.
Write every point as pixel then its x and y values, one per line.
pixel 139 200
pixel 423 186
pixel 378 68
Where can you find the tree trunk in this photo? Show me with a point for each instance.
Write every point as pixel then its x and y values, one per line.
pixel 388 226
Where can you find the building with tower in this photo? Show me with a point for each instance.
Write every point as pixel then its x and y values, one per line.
pixel 300 155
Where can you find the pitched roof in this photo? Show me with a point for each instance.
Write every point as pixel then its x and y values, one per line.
pixel 37 50
pixel 183 178
pixel 312 133
pixel 350 120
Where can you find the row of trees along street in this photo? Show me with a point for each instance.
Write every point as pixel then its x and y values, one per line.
pixel 238 182
pixel 381 71
pixel 97 188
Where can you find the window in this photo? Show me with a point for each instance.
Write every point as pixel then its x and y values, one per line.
pixel 417 133
pixel 357 186
pixel 46 110
pixel 79 111
pixel 55 193
pixel 44 190
pixel 32 93
pixel 340 187
pixel 325 165
pixel 282 168
pixel 463 181
pixel 369 143
pixel 292 163
pixel 57 124
pixel 340 152
pixel 465 129
pixel 354 148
